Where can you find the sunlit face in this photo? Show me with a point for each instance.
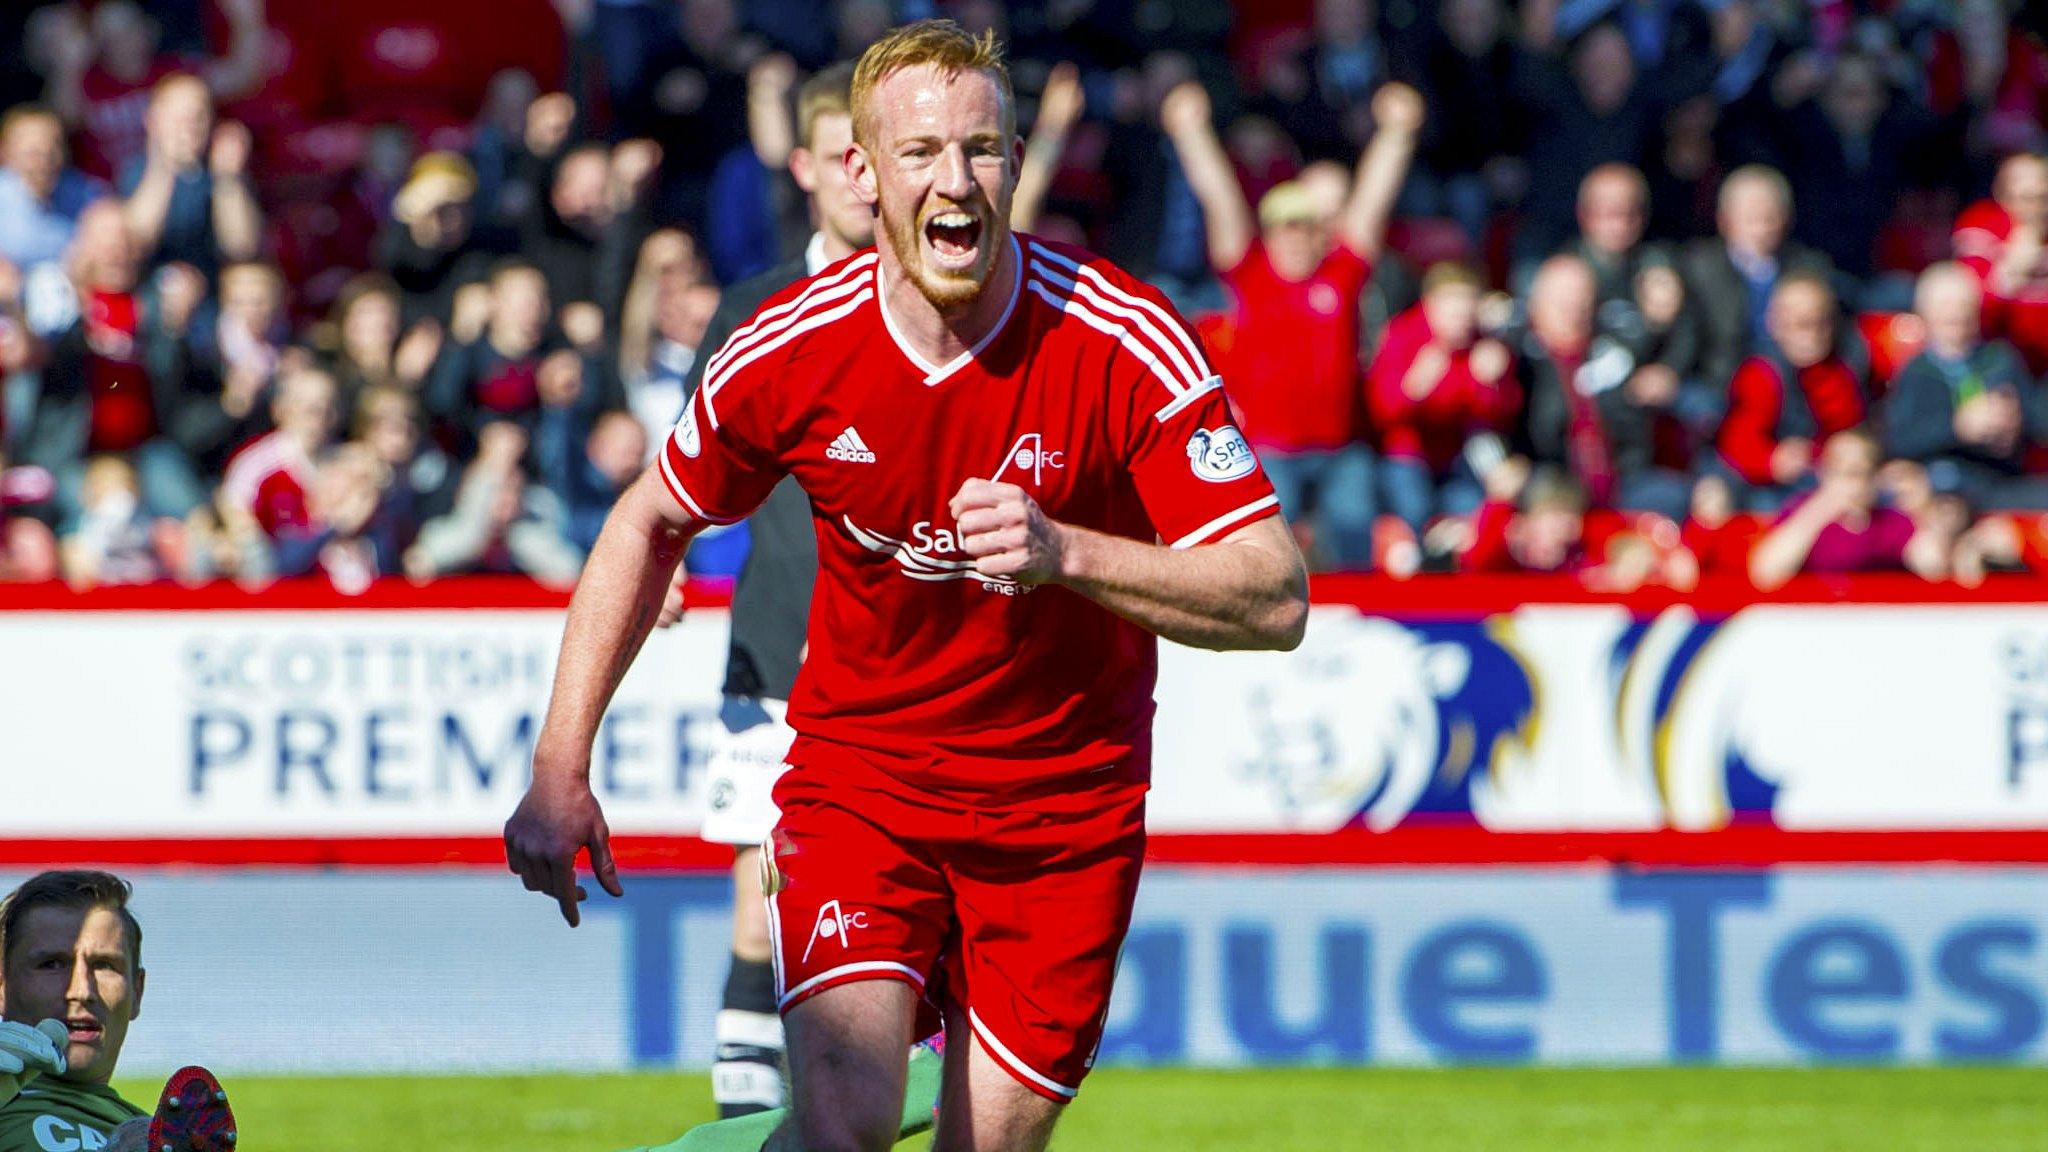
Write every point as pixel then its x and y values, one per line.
pixel 102 252
pixel 579 191
pixel 1611 213
pixel 252 296
pixel 941 162
pixel 1952 308
pixel 1802 323
pixel 617 447
pixel 181 119
pixel 1848 464
pixel 390 429
pixel 820 170
pixel 519 302
pixel 1453 312
pixel 76 965
pixel 34 150
pixel 1561 305
pixel 371 326
pixel 1754 219
pixel 304 407
pixel 1545 536
pixel 1297 248
pixel 2022 189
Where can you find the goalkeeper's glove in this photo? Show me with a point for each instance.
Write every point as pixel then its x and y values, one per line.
pixel 28 1052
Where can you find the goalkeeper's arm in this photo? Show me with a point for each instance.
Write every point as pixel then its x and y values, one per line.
pixel 28 1052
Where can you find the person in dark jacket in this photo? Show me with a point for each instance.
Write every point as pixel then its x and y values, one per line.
pixel 1965 407
pixel 1789 399
pixel 1730 276
pixel 1585 412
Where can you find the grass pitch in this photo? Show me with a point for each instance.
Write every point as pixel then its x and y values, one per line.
pixel 1179 1110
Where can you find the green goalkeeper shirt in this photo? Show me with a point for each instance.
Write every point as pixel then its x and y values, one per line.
pixel 55 1115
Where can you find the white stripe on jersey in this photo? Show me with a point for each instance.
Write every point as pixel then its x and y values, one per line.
pixel 772 341
pixel 1186 377
pixel 1166 319
pixel 1188 397
pixel 771 316
pixel 1199 534
pixel 1081 310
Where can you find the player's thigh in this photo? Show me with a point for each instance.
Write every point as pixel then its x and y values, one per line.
pixel 847 1059
pixel 982 1105
pixel 749 907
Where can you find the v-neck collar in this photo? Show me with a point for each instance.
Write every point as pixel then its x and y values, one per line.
pixel 937 374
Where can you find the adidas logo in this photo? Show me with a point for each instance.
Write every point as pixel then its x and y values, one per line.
pixel 850 448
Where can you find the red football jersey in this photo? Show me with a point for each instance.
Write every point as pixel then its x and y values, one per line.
pixel 1091 394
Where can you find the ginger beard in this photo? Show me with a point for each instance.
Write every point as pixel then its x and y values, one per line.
pixel 944 171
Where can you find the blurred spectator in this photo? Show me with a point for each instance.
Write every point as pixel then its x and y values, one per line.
pixel 1594 110
pixel 1296 276
pixel 587 462
pixel 2004 240
pixel 116 365
pixel 232 363
pixel 362 345
pixel 188 197
pixel 692 99
pixel 1641 295
pixel 662 329
pixel 1529 524
pixel 1966 408
pixel 100 83
pixel 430 248
pixel 1587 413
pixel 1789 399
pixel 1731 276
pixel 498 524
pixel 1716 531
pixel 1841 527
pixel 41 197
pixel 587 230
pixel 114 539
pixel 1476 127
pixel 269 481
pixel 1434 386
pixel 422 477
pixel 495 374
pixel 343 536
pixel 1849 146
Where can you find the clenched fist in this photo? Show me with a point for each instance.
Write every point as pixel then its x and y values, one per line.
pixel 1007 534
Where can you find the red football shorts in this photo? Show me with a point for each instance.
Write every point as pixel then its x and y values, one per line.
pixel 1020 911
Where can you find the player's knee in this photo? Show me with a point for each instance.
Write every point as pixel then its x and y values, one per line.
pixel 847 1133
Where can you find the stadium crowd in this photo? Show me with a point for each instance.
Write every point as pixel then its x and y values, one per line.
pixel 1633 289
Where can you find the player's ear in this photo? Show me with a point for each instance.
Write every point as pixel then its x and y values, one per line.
pixel 860 172
pixel 135 998
pixel 803 168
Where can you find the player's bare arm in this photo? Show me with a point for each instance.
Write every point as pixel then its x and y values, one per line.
pixel 1248 590
pixel 616 604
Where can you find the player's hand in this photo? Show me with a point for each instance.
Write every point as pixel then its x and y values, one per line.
pixel 28 1052
pixel 558 818
pixel 1006 532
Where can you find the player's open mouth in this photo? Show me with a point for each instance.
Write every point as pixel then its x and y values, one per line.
pixel 954 237
pixel 84 1031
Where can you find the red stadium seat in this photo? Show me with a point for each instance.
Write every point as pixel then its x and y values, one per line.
pixel 1427 240
pixel 1894 338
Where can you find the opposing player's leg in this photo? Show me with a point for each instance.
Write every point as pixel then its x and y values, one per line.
pixel 846 1060
pixel 986 1108
pixel 747 1075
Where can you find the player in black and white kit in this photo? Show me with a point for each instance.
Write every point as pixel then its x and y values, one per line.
pixel 771 608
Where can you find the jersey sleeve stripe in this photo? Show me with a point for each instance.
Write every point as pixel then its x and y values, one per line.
pixel 1222 525
pixel 1188 376
pixel 1171 322
pixel 849 274
pixel 781 336
pixel 1079 310
pixel 682 494
pixel 1188 397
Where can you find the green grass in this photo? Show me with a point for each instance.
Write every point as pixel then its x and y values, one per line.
pixel 1176 1110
